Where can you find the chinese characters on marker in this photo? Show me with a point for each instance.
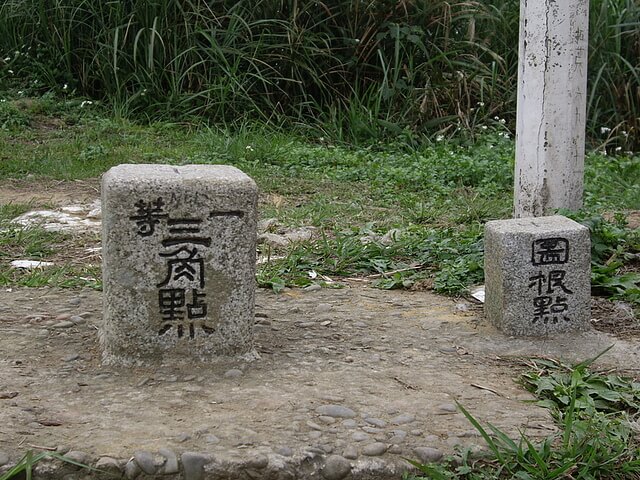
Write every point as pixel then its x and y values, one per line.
pixel 549 286
pixel 181 292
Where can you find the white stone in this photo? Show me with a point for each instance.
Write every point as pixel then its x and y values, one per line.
pixel 552 81
pixel 478 293
pixel 58 221
pixel 30 264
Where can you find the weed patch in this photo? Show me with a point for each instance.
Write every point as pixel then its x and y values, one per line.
pixel 615 257
pixel 451 258
pixel 598 436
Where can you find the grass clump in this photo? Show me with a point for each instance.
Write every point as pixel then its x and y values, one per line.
pixel 24 469
pixel 447 260
pixel 64 276
pixel 11 117
pixel 598 435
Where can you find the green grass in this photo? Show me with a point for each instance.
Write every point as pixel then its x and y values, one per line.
pixel 54 276
pixel 451 257
pixel 24 469
pixel 594 413
pixel 19 243
pixel 437 194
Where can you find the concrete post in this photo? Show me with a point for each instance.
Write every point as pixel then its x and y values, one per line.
pixel 537 276
pixel 179 258
pixel 550 131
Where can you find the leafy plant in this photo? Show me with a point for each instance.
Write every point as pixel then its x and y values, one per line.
pixel 555 383
pixel 595 438
pixel 11 117
pixel 614 251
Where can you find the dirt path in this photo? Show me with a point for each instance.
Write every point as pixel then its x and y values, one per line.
pixel 347 382
pixel 46 192
pixel 365 375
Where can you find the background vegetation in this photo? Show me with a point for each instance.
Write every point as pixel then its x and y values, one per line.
pixel 352 70
pixel 328 106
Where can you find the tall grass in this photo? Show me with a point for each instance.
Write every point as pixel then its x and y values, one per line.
pixel 614 73
pixel 363 69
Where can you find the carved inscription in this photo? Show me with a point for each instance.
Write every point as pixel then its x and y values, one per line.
pixel 549 285
pixel 182 298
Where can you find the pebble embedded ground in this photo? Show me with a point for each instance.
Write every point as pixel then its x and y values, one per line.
pixel 348 383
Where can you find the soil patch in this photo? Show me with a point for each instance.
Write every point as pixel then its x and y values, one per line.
pixel 615 317
pixel 48 192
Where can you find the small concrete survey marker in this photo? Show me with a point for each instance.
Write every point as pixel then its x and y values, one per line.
pixel 179 261
pixel 538 275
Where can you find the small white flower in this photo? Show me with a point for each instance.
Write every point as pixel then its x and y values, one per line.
pixel 618 149
pixel 483 127
pixel 503 121
pixel 481 104
pixel 439 138
pixel 11 72
pixel 604 130
pixel 7 59
pixel 249 148
pixel 86 102
pixel 496 118
pixel 625 134
pixel 65 86
pixel 20 92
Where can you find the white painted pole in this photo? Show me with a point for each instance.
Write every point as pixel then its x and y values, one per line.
pixel 552 82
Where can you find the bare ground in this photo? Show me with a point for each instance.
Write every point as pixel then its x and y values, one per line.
pixel 380 354
pixel 398 360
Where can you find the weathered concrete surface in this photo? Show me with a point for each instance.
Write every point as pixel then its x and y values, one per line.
pixel 552 99
pixel 179 259
pixel 385 367
pixel 538 275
